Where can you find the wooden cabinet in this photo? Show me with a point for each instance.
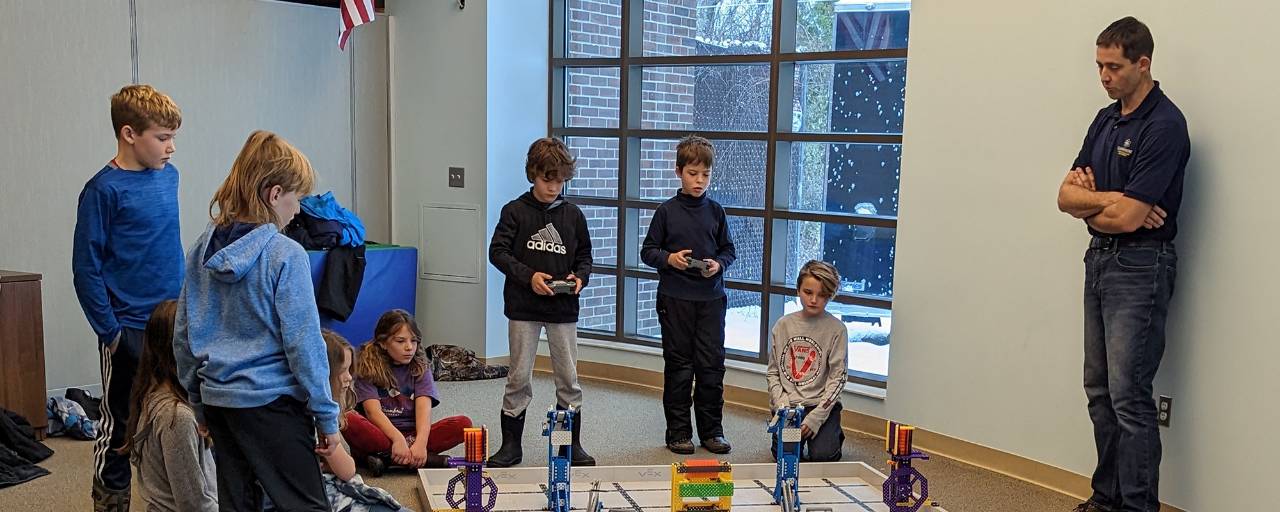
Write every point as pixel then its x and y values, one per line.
pixel 22 348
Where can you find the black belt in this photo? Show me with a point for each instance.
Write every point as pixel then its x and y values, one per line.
pixel 1111 242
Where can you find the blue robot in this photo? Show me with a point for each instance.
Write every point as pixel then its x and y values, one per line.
pixel 786 429
pixel 559 432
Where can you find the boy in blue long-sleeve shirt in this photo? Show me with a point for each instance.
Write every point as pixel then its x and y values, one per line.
pixel 691 301
pixel 126 259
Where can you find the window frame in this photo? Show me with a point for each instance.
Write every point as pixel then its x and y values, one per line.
pixel 630 63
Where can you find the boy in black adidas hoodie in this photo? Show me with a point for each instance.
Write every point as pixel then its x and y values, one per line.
pixel 690 228
pixel 540 237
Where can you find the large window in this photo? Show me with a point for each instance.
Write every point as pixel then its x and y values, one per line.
pixel 803 101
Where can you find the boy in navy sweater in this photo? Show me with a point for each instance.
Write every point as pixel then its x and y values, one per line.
pixel 126 259
pixel 689 244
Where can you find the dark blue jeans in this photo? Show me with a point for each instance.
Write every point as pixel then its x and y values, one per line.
pixel 1127 289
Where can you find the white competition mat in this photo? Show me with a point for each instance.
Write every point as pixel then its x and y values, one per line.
pixel 837 486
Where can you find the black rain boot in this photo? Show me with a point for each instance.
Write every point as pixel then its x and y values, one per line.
pixel 580 456
pixel 510 453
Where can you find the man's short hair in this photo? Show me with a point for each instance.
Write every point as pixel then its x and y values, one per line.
pixel 1132 36
pixel 694 150
pixel 549 158
pixel 141 107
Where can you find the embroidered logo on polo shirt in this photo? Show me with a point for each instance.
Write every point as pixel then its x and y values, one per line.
pixel 1124 151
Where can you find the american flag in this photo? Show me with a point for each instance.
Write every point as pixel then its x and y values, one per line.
pixel 868 31
pixel 354 14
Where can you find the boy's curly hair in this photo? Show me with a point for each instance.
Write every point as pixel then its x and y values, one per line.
pixel 549 158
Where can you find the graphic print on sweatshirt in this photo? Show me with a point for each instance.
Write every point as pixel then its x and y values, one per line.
pixel 801 360
pixel 546 239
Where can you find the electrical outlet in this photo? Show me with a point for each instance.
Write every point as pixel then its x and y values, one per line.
pixel 456 177
pixel 1164 410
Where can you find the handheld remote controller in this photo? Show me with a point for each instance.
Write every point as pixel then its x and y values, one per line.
pixel 562 286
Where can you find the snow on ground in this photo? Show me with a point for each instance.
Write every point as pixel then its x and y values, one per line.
pixel 742 330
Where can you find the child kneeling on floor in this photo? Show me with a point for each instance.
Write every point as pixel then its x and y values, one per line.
pixel 171 458
pixel 810 355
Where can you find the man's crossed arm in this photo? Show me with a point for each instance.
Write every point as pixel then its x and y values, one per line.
pixel 1108 212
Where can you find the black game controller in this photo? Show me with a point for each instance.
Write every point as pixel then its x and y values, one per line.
pixel 699 265
pixel 562 286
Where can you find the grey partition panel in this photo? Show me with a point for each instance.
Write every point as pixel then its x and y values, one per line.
pixel 239 65
pixel 372 132
pixel 60 62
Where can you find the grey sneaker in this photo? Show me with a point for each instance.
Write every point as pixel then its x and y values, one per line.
pixel 107 500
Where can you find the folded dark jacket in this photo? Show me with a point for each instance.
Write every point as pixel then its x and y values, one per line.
pixel 16 434
pixel 19 450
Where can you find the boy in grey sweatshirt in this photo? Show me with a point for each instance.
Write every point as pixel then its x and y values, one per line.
pixel 810 354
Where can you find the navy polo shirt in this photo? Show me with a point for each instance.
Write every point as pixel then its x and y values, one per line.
pixel 1143 154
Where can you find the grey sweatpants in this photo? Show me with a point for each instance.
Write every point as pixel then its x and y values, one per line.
pixel 562 339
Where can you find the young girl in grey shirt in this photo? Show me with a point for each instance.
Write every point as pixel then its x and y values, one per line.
pixel 170 456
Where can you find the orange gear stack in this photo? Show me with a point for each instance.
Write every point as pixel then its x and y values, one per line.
pixel 477 443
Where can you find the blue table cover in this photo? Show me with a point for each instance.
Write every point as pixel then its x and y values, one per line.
pixel 390 281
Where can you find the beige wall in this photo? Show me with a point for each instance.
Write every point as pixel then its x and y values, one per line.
pixel 987 311
pixel 372 199
pixel 58 68
pixel 231 65
pixel 438 75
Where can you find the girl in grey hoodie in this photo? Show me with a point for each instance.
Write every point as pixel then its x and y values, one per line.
pixel 170 456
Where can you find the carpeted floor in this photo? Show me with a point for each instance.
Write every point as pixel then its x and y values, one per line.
pixel 623 426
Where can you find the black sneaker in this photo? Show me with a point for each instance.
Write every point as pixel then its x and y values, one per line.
pixel 376 465
pixel 1091 506
pixel 682 446
pixel 717 445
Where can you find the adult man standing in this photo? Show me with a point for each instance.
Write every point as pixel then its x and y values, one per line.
pixel 1126 184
